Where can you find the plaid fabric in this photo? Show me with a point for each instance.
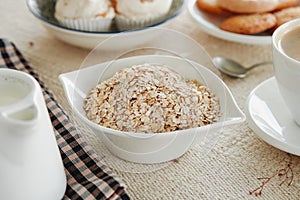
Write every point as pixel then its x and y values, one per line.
pixel 87 177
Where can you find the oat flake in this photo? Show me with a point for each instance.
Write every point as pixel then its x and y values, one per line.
pixel 151 98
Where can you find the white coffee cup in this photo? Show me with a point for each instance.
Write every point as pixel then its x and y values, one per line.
pixel 286 49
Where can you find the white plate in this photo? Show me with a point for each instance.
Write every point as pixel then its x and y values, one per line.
pixel 270 119
pixel 210 24
pixel 150 148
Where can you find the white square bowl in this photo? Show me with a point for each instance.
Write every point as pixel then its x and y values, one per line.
pixel 150 148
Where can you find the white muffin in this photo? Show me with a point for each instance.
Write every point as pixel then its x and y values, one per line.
pixel 134 14
pixel 86 15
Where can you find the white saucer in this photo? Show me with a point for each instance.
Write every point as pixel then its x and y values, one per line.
pixel 269 118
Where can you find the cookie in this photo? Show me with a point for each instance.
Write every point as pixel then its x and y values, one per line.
pixel 211 7
pixel 287 14
pixel 249 24
pixel 286 4
pixel 247 7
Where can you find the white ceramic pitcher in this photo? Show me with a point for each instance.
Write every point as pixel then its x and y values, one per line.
pixel 30 163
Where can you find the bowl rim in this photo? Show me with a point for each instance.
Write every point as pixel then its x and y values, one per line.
pixel 57 25
pixel 225 122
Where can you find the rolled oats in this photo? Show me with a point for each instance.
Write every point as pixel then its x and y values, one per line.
pixel 151 98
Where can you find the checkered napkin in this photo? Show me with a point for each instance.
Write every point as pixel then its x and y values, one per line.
pixel 87 177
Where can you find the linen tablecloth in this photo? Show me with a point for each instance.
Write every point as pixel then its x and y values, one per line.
pixel 235 161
